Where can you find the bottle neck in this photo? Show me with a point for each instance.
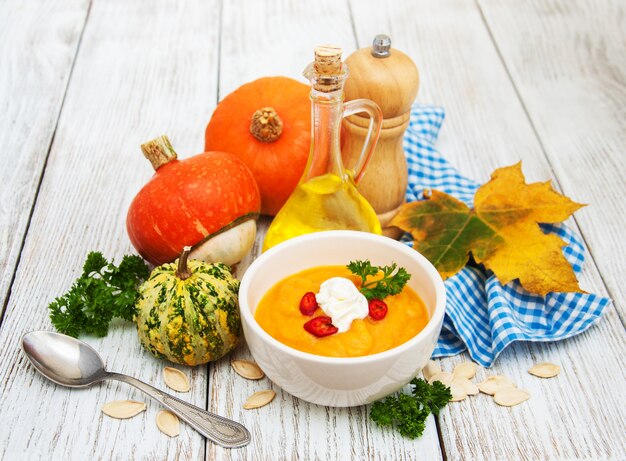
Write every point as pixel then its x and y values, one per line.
pixel 326 117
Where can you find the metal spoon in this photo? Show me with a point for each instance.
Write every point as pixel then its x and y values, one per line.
pixel 70 362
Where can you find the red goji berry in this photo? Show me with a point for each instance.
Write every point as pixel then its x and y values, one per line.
pixel 321 326
pixel 308 304
pixel 377 309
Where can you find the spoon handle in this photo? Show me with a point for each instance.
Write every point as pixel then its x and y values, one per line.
pixel 218 429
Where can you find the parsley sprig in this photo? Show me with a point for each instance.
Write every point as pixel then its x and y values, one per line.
pixel 408 413
pixel 102 292
pixel 392 282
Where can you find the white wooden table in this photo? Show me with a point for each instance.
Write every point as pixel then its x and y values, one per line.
pixel 83 83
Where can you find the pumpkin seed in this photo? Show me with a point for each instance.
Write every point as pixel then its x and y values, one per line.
pixel 431 368
pixel 465 370
pixel 511 396
pixel 493 383
pixel 457 391
pixel 123 409
pixel 544 370
pixel 468 387
pixel 443 376
pixel 168 423
pixel 259 399
pixel 176 379
pixel 247 369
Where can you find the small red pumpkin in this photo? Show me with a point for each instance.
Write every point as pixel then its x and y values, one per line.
pixel 267 124
pixel 209 201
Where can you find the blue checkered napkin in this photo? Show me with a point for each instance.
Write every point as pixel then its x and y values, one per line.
pixel 482 315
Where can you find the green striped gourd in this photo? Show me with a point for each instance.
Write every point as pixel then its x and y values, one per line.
pixel 187 312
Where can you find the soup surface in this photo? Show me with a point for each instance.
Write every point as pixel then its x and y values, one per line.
pixel 279 315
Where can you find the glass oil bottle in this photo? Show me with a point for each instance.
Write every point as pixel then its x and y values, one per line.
pixel 326 197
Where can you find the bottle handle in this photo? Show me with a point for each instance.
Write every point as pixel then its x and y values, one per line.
pixel 357 106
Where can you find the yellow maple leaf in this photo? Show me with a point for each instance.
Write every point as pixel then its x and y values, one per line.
pixel 501 231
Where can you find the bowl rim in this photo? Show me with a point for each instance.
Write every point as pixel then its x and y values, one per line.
pixel 433 322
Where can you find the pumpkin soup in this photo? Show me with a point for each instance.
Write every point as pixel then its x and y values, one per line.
pixel 281 315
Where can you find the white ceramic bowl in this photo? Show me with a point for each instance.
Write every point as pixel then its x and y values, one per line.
pixel 340 382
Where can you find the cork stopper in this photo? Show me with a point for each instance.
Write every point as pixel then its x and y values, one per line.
pixel 159 151
pixel 328 60
pixel 328 67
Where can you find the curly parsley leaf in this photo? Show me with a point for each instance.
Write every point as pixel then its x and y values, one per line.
pixel 408 413
pixel 95 262
pixel 438 397
pixel 363 269
pixel 103 291
pixel 391 283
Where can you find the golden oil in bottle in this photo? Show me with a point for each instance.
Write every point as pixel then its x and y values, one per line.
pixel 324 202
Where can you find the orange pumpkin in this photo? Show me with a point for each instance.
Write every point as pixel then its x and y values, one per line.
pixel 208 201
pixel 267 124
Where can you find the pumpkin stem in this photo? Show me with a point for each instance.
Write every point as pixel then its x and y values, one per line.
pixel 183 271
pixel 266 125
pixel 159 151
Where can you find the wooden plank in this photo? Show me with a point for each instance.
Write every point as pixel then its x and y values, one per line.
pixel 577 415
pixel 277 38
pixel 38 44
pixel 571 77
pixel 144 68
pixel 486 127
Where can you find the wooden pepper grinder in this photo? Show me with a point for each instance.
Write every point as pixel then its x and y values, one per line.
pixel 389 78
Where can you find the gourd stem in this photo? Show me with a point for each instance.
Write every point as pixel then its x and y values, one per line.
pixel 159 151
pixel 183 271
pixel 266 125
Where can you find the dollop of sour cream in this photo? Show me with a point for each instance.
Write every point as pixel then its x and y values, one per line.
pixel 341 300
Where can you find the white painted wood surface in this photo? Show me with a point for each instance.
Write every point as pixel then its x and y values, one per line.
pixel 38 45
pixel 486 127
pixel 512 88
pixel 143 69
pixel 570 72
